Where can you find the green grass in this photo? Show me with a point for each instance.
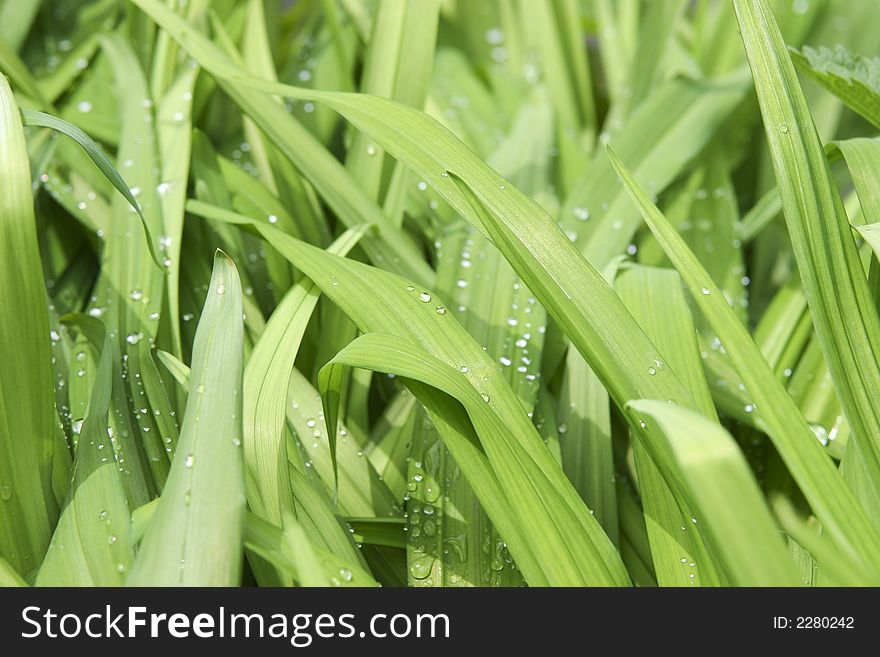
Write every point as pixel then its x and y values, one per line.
pixel 439 293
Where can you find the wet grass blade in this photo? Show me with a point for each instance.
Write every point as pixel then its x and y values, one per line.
pixel 91 544
pixel 28 511
pixel 655 298
pixel 43 120
pixel 819 480
pixel 713 471
pixel 202 506
pixel 266 380
pixel 444 337
pixel 843 309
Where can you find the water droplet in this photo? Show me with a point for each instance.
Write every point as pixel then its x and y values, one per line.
pixel 820 432
pixel 495 36
pixel 84 106
pixel 221 289
pixel 441 310
pixel 425 297
pixel 652 371
pixel 200 388
pixel 783 128
pixel 421 567
pixel 189 460
pixel 581 213
pixel 5 492
pixel 273 219
pixel 134 337
pixel 705 291
pixel 346 574
pixel 463 369
pixel 485 397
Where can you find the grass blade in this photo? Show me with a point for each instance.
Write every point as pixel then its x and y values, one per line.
pixel 90 546
pixel 714 471
pixel 843 309
pixel 820 482
pixel 202 507
pixel 28 511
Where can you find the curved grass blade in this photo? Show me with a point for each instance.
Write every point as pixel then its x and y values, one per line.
pixel 501 314
pixel 43 120
pixel 266 380
pixel 355 291
pixel 27 417
pixel 820 482
pixel 571 290
pixel 706 462
pixel 843 309
pixel 312 509
pixel 391 354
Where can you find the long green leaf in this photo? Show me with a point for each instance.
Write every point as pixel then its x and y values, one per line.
pixel 90 546
pixel 820 482
pixel 43 120
pixel 843 310
pixel 517 449
pixel 202 507
pixel 27 509
pixel 714 472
